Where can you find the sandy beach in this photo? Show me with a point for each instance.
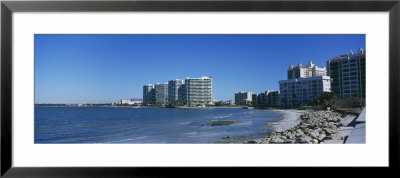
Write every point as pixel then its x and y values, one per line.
pixel 290 118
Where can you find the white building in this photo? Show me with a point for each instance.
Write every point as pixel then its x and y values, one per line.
pixel 133 101
pixel 198 91
pixel 300 71
pixel 295 92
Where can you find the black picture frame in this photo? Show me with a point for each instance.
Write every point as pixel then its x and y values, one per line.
pixel 8 7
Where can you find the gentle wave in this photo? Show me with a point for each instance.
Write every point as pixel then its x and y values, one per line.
pixel 184 123
pixel 190 133
pixel 220 117
pixel 124 140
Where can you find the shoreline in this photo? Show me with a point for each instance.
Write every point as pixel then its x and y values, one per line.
pixel 289 118
pixel 146 107
pixel 302 127
pixel 308 126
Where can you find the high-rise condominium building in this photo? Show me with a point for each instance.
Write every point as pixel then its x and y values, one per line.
pixel 267 99
pixel 348 74
pixel 295 92
pixel 148 94
pixel 300 71
pixel 161 94
pixel 175 90
pixel 243 98
pixel 198 91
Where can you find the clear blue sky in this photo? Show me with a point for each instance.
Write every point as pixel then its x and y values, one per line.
pixel 106 68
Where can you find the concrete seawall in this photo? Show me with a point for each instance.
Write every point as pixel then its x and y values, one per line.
pixel 357 136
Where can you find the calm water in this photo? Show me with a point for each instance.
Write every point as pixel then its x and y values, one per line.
pixel 145 125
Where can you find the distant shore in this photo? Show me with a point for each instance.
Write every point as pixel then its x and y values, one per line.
pixel 130 106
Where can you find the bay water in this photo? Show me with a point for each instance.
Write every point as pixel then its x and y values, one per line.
pixel 147 125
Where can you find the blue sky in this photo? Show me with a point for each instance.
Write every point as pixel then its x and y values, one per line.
pixel 106 68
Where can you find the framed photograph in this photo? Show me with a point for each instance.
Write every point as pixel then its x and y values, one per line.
pixel 141 88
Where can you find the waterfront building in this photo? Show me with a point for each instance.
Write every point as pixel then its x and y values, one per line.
pixel 243 98
pixel 175 91
pixel 267 99
pixel 254 99
pixel 295 92
pixel 348 74
pixel 148 94
pixel 125 101
pixel 161 94
pixel 198 91
pixel 300 71
pixel 272 98
pixel 132 101
pixel 261 100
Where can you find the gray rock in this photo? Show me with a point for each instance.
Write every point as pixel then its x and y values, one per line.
pixel 276 139
pixel 321 136
pixel 252 141
pixel 291 136
pixel 314 134
pixel 305 139
pixel 314 141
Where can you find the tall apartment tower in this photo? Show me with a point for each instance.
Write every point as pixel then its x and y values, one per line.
pixel 348 74
pixel 148 94
pixel 300 71
pixel 175 90
pixel 161 94
pixel 299 91
pixel 243 98
pixel 198 91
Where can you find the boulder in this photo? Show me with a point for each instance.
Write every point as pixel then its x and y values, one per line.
pixel 314 134
pixel 291 136
pixel 305 139
pixel 314 141
pixel 321 137
pixel 276 139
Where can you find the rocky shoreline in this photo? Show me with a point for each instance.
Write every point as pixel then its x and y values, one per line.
pixel 314 127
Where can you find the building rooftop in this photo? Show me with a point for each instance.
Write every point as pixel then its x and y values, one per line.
pixel 203 77
pixel 351 54
pixel 307 78
pixel 310 65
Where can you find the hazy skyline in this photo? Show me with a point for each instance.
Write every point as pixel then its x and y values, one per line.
pixel 107 68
